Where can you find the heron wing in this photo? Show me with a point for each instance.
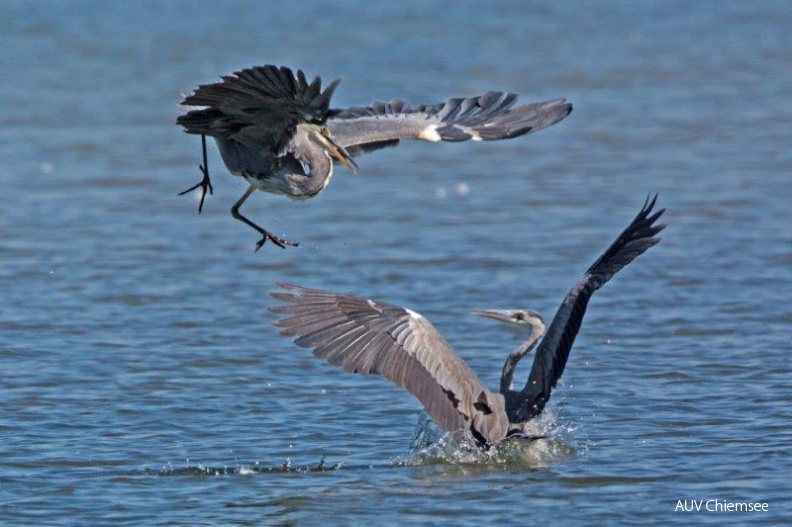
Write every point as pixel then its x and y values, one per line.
pixel 553 351
pixel 363 336
pixel 259 106
pixel 488 117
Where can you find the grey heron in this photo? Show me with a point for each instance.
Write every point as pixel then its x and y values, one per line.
pixel 369 337
pixel 277 131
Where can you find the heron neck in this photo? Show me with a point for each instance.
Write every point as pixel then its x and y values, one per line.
pixel 507 384
pixel 320 167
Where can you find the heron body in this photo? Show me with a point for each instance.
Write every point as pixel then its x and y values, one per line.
pixel 278 132
pixel 369 337
pixel 284 175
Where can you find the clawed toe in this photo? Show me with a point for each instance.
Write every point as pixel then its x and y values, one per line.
pixel 205 184
pixel 280 242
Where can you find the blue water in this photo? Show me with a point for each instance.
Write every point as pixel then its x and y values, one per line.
pixel 143 383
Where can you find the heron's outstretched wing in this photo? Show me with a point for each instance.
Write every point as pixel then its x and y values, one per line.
pixel 488 117
pixel 363 336
pixel 259 106
pixel 553 351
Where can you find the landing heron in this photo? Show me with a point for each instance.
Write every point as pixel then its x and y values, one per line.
pixel 364 336
pixel 277 131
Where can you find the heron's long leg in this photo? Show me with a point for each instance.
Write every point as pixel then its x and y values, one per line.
pixel 205 182
pixel 280 242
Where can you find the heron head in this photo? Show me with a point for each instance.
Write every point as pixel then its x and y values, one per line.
pixel 322 136
pixel 515 317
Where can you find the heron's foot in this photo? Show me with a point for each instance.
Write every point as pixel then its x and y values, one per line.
pixel 277 240
pixel 205 184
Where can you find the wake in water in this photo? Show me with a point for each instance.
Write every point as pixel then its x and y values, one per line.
pixel 244 470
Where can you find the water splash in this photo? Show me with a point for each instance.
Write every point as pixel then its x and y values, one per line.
pixel 549 443
pixel 202 470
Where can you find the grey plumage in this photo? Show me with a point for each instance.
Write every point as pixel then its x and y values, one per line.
pixel 257 107
pixel 278 132
pixel 364 336
pixel 489 117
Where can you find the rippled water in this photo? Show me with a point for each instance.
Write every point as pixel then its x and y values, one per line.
pixel 143 382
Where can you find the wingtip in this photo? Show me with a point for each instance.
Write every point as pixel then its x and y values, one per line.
pixel 650 201
pixel 555 104
pixel 280 295
pixel 646 215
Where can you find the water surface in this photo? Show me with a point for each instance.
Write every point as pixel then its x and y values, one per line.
pixel 144 383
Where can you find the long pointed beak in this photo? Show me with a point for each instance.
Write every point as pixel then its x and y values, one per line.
pixel 337 151
pixel 495 314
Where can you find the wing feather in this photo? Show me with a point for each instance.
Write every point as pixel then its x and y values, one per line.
pixel 367 337
pixel 488 117
pixel 259 106
pixel 553 352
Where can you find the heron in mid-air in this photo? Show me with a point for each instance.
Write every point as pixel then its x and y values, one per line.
pixel 364 336
pixel 278 132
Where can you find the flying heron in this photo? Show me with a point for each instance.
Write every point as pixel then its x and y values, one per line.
pixel 278 132
pixel 364 336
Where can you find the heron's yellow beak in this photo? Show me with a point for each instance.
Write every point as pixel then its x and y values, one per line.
pixel 337 151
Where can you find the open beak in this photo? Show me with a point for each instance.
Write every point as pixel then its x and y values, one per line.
pixel 336 150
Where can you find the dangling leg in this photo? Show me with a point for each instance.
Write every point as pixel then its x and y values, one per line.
pixel 280 242
pixel 205 183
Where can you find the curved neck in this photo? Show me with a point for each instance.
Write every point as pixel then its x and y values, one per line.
pixel 319 162
pixel 507 385
pixel 321 169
